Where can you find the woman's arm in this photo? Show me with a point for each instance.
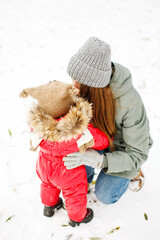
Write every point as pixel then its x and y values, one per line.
pixel 90 157
pixel 135 131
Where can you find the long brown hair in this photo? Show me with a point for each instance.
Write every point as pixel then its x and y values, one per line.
pixel 104 109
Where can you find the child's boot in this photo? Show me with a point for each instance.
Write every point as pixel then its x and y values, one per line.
pixel 49 211
pixel 88 218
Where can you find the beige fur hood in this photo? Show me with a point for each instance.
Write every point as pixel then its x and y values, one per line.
pixel 64 129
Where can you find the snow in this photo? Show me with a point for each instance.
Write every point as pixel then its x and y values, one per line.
pixel 37 39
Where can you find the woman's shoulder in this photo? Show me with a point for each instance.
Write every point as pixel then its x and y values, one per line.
pixel 129 99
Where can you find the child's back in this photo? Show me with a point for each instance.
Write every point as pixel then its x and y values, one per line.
pixel 60 137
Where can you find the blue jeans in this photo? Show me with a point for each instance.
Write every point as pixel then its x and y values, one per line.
pixel 108 189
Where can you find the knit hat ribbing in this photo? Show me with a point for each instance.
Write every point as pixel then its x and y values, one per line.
pixel 91 65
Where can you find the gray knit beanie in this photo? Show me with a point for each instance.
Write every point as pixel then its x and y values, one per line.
pixel 91 65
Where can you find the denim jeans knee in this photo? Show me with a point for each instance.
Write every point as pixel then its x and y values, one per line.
pixel 109 189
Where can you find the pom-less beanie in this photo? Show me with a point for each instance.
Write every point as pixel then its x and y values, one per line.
pixel 91 65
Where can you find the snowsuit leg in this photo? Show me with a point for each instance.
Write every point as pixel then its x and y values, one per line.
pixel 49 194
pixel 76 201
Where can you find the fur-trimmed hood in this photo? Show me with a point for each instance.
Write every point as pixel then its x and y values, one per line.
pixel 64 129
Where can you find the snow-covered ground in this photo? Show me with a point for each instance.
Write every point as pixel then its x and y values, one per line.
pixel 37 39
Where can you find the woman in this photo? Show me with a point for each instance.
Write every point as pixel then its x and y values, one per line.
pixel 101 82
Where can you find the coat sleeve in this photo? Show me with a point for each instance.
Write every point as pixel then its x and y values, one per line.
pixel 100 139
pixel 92 138
pixel 135 132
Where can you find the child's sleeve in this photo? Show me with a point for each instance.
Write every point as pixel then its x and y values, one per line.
pixel 101 141
pixel 92 138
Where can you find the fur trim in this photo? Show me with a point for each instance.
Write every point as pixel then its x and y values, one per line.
pixel 70 126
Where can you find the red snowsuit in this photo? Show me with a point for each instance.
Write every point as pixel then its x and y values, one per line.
pixel 61 137
pixel 55 177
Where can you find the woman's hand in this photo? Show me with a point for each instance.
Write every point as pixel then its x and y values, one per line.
pixel 90 158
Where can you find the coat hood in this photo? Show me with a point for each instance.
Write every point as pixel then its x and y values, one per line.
pixel 63 129
pixel 121 82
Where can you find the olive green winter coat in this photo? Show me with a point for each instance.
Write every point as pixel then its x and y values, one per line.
pixel 132 141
